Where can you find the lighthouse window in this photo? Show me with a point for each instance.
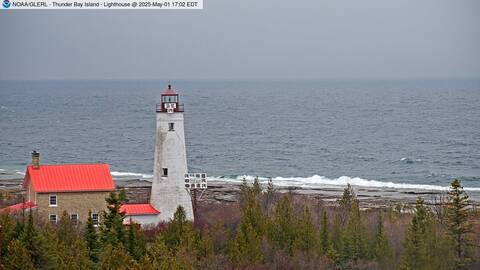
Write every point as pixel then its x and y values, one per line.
pixel 165 172
pixel 170 127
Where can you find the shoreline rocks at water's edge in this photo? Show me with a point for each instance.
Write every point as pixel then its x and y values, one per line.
pixel 138 191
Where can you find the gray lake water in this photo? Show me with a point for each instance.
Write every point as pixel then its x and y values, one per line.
pixel 416 134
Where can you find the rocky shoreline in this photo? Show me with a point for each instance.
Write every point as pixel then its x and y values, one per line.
pixel 218 192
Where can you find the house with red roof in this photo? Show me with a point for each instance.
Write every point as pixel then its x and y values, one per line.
pixel 77 189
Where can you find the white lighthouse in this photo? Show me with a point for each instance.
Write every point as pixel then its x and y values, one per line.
pixel 170 161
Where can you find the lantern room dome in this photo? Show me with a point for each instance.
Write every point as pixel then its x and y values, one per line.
pixel 169 91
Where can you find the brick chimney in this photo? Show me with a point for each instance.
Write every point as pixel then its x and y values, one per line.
pixel 35 160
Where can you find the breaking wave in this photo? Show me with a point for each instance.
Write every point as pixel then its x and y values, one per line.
pixel 132 174
pixel 317 181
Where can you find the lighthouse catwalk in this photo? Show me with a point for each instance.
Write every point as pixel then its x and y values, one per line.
pixel 170 161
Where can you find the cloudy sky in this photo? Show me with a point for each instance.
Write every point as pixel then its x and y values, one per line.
pixel 247 39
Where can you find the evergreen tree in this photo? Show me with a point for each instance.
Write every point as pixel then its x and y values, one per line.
pixel 333 254
pixel 306 233
pixel 116 258
pixel 49 246
pixel 29 238
pixel 269 197
pixel 353 239
pixel 112 230
pixel 65 231
pixel 270 187
pixel 415 255
pixel 7 233
pixel 18 257
pixel 246 247
pixel 247 244
pixel 382 250
pixel 283 230
pixel 160 257
pixel 91 239
pixel 244 191
pixel 458 222
pixel 74 256
pixel 348 198
pixel 256 188
pixel 324 235
pixel 336 235
pixel 176 229
pixel 136 243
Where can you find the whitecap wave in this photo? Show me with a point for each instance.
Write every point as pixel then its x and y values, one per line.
pixel 131 174
pixel 317 181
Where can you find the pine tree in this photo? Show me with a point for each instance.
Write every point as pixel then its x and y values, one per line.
pixel 247 243
pixel 74 256
pixel 336 234
pixel 116 258
pixel 353 239
pixel 256 188
pixel 415 255
pixel 269 197
pixel 348 198
pixel 333 254
pixel 112 230
pixel 382 251
pixel 91 238
pixel 7 233
pixel 30 239
pixel 176 229
pixel 459 225
pixel 18 257
pixel 324 235
pixel 160 257
pixel 49 246
pixel 246 247
pixel 136 244
pixel 283 230
pixel 65 231
pixel 306 233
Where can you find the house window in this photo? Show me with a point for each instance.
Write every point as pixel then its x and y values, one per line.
pixel 95 219
pixel 170 127
pixel 165 172
pixel 53 200
pixel 74 219
pixel 53 218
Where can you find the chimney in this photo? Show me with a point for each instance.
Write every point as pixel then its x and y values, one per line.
pixel 35 160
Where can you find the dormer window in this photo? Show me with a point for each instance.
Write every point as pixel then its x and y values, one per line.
pixel 52 201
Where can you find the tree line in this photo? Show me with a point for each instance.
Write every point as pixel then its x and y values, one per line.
pixel 273 232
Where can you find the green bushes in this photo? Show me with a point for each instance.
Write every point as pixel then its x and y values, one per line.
pixel 273 231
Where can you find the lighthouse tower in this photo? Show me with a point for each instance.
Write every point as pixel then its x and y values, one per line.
pixel 170 162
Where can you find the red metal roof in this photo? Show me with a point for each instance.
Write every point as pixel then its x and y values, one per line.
pixel 70 178
pixel 19 207
pixel 138 209
pixel 169 91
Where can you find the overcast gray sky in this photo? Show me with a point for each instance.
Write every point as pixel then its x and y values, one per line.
pixel 247 39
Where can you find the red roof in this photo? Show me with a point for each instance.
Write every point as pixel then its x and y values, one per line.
pixel 138 209
pixel 19 207
pixel 70 178
pixel 169 91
